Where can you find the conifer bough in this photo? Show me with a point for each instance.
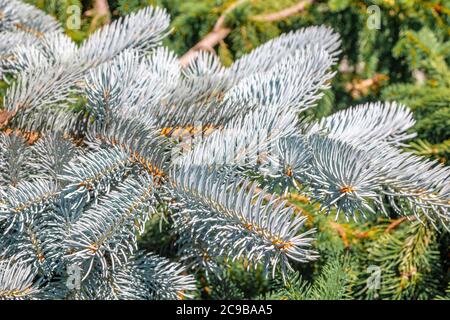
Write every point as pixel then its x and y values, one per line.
pixel 98 136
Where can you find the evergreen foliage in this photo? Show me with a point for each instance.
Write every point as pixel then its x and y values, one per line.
pixel 107 139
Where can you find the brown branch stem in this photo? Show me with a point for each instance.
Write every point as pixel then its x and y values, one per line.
pixel 283 14
pixel 217 35
pixel 99 12
pixel 220 32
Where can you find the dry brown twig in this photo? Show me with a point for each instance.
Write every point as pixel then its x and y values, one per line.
pixel 283 14
pixel 341 231
pixel 361 88
pixel 100 12
pixel 395 223
pixel 220 31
